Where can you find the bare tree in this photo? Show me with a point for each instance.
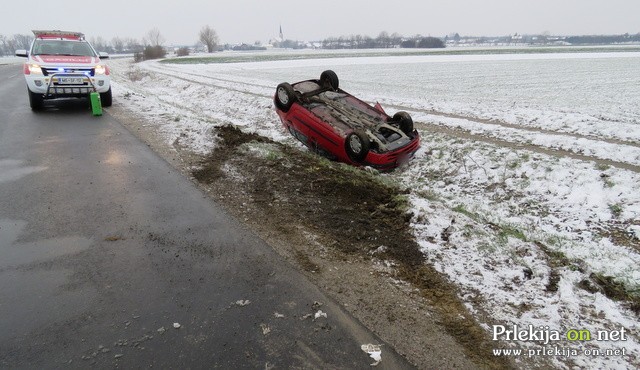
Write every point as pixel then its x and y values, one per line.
pixel 132 45
pixel 9 45
pixel 209 37
pixel 3 45
pixel 100 44
pixel 154 38
pixel 356 41
pixel 22 41
pixel 118 44
pixel 395 39
pixel 384 40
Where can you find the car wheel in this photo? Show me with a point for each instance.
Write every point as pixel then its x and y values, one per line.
pixel 329 79
pixel 285 96
pixel 357 145
pixel 36 101
pixel 106 99
pixel 404 121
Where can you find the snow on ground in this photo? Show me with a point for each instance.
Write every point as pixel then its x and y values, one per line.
pixel 11 60
pixel 519 230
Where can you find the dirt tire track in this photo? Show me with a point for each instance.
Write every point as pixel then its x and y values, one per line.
pixel 200 82
pixel 559 153
pixel 517 127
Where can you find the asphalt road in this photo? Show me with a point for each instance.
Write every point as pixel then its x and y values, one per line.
pixel 103 247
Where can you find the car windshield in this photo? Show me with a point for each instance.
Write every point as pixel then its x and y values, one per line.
pixel 62 47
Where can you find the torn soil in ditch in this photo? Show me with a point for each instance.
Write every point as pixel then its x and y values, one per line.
pixel 330 220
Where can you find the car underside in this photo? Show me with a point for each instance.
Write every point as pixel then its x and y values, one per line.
pixel 345 113
pixel 340 126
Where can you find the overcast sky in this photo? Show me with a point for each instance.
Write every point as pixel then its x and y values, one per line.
pixel 179 21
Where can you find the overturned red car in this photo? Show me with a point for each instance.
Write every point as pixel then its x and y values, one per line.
pixel 339 126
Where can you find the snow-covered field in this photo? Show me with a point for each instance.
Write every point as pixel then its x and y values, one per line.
pixel 530 162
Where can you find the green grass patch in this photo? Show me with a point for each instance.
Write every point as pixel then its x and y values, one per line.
pixel 468 231
pixel 616 290
pixel 554 240
pixel 556 258
pixel 401 202
pixel 510 231
pixel 460 208
pixel 616 209
pixel 608 183
pixel 487 247
pixel 513 164
pixel 273 156
pixel 429 195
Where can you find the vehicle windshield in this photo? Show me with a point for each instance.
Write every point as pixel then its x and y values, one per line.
pixel 62 47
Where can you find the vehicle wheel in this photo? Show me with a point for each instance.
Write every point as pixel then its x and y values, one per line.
pixel 285 96
pixel 329 78
pixel 357 145
pixel 405 122
pixel 36 101
pixel 106 98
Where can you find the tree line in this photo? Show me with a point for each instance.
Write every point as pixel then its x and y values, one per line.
pixel 394 40
pixel 9 44
pixel 383 41
pixel 603 40
pixel 151 44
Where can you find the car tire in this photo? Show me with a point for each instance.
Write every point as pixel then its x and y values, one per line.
pixel 357 145
pixel 285 96
pixel 106 98
pixel 329 79
pixel 404 121
pixel 36 101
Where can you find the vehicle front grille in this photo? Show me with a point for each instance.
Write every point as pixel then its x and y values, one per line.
pixel 51 70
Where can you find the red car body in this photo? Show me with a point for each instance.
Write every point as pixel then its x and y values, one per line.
pixel 339 126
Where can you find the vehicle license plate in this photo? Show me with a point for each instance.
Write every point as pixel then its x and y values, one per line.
pixel 70 80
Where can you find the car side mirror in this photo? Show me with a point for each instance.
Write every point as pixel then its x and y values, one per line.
pixel 22 53
pixel 103 55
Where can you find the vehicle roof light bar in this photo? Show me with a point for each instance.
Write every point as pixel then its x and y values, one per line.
pixel 56 34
